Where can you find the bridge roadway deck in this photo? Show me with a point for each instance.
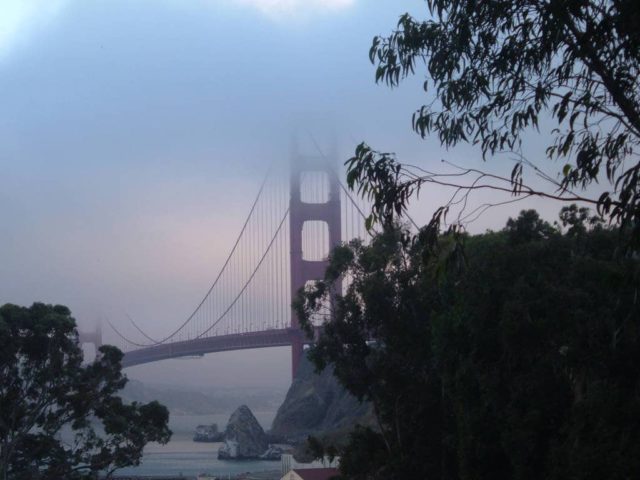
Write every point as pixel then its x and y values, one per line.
pixel 201 346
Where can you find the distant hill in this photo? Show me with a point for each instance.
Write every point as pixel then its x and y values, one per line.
pixel 186 401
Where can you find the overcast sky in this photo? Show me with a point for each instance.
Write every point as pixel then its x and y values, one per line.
pixel 133 135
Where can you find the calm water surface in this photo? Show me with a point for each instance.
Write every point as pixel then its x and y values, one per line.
pixel 184 456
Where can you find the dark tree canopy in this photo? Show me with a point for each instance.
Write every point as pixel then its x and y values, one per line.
pixel 497 68
pixel 520 362
pixel 60 418
pixel 528 227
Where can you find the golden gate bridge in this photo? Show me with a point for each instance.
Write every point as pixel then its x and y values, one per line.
pixel 284 243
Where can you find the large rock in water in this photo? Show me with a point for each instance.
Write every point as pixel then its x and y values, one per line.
pixel 244 437
pixel 317 404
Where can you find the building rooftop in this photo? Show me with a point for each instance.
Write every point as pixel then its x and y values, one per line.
pixel 316 473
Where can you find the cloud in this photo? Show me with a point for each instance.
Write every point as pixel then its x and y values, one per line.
pixel 288 8
pixel 19 19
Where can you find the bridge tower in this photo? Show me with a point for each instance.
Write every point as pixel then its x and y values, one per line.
pixel 94 337
pixel 304 270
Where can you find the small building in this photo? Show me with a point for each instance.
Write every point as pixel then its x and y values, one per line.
pixel 288 463
pixel 311 474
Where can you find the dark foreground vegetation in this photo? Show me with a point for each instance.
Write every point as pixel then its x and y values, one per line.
pixel 59 417
pixel 507 355
pixel 513 354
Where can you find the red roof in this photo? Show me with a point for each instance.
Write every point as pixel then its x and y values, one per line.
pixel 316 473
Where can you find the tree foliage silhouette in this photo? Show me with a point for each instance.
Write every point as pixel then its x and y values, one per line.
pixel 60 418
pixel 494 70
pixel 515 358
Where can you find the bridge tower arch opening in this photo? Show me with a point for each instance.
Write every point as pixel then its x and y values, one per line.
pixel 303 207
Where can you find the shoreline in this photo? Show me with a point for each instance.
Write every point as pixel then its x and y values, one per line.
pixel 263 475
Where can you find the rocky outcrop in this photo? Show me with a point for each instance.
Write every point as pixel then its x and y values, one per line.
pixel 272 453
pixel 244 438
pixel 317 404
pixel 208 433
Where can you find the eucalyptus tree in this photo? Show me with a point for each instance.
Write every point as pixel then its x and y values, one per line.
pixel 492 71
pixel 60 417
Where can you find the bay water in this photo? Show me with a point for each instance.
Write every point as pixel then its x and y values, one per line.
pixel 184 456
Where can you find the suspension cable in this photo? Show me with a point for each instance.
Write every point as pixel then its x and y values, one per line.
pixel 253 274
pixel 215 282
pixel 137 327
pixel 113 327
